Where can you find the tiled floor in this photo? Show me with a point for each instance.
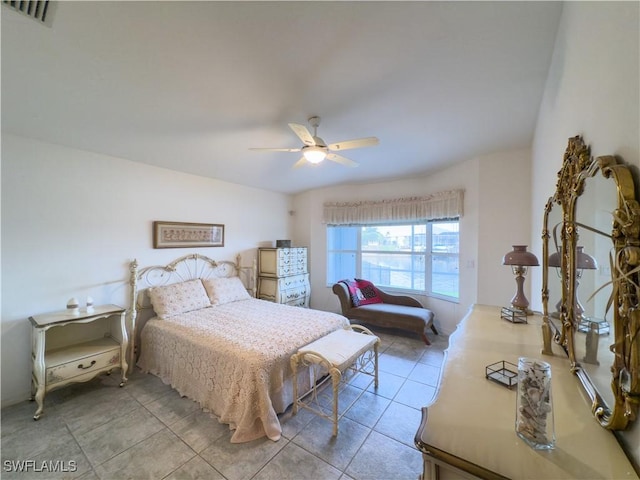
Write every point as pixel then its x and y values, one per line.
pixel 146 430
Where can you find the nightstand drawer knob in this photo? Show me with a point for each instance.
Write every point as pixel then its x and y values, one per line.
pixel 93 362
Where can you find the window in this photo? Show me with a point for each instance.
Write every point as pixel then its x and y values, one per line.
pixel 420 257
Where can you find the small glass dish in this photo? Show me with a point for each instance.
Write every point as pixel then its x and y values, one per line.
pixel 503 372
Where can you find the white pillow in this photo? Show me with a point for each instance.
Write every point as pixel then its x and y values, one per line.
pixel 177 298
pixel 225 290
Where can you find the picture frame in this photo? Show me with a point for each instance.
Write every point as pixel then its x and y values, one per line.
pixel 187 235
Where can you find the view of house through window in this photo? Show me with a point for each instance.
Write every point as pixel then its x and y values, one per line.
pixel 421 257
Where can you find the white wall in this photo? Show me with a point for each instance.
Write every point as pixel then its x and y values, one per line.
pixel 72 221
pixel 484 237
pixel 504 220
pixel 592 90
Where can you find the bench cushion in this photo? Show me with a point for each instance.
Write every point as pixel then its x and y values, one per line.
pixel 341 347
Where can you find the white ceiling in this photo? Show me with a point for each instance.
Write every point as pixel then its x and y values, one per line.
pixel 190 86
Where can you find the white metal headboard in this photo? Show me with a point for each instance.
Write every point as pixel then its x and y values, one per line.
pixel 187 267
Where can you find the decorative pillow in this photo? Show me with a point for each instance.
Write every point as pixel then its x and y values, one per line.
pixel 225 290
pixel 362 292
pixel 177 298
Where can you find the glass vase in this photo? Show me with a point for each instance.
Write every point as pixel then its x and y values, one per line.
pixel 534 406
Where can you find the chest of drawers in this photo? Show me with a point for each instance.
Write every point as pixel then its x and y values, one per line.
pixel 283 276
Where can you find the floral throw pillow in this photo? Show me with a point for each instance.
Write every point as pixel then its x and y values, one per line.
pixel 177 298
pixel 225 290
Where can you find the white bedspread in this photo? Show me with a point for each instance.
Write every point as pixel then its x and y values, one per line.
pixel 233 359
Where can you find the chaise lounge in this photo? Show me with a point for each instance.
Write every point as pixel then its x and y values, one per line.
pixel 382 309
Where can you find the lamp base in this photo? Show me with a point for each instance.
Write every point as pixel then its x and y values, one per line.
pixel 513 315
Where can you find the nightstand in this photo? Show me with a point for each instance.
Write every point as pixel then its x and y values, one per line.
pixel 68 348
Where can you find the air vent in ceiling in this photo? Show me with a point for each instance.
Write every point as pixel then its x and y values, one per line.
pixel 38 10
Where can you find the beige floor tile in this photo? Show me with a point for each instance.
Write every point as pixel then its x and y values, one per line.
pixel 153 458
pixel 195 469
pixel 239 461
pixel 199 429
pixel 338 451
pixel 116 436
pixel 415 394
pixel 295 463
pixel 399 422
pixel 383 458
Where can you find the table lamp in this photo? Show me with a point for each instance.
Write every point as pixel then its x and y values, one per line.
pixel 520 260
pixel 555 261
pixel 584 261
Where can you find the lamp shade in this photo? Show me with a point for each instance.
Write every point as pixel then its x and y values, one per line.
pixel 585 261
pixel 314 154
pixel 519 256
pixel 554 260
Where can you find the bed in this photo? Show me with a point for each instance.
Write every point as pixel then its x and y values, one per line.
pixel 199 328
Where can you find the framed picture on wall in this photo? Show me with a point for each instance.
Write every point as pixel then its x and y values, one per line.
pixel 187 235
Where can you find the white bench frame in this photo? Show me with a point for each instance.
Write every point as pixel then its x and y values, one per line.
pixel 307 357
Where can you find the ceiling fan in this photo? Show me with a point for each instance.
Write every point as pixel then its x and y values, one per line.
pixel 315 149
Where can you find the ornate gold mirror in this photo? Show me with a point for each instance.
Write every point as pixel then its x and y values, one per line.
pixel 591 262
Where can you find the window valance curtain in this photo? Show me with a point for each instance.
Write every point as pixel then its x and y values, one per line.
pixel 437 206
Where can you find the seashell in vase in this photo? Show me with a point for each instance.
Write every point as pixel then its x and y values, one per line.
pixel 534 407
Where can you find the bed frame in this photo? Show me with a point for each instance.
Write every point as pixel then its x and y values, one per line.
pixel 187 267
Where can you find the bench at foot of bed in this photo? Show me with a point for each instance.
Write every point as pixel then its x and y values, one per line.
pixel 354 349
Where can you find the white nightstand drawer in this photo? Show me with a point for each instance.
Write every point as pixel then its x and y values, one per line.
pixel 93 356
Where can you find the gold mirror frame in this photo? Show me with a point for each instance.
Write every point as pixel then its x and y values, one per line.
pixel 625 280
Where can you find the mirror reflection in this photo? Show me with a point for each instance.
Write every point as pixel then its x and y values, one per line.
pixel 593 336
pixel 554 273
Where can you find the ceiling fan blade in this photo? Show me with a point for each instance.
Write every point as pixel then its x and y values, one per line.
pixel 302 133
pixel 357 143
pixel 300 162
pixel 277 149
pixel 334 157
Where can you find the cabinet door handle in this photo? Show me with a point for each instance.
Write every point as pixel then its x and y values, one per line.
pixel 93 362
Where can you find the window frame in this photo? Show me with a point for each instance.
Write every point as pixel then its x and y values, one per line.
pixel 428 254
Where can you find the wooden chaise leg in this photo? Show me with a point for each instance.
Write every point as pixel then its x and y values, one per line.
pixel 433 327
pixel 426 340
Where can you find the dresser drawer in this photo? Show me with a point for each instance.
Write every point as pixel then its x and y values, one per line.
pixel 294 294
pixel 293 290
pixel 271 286
pixel 88 357
pixel 298 302
pixel 295 281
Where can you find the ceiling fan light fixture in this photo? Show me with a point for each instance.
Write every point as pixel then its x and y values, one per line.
pixel 314 154
pixel 315 150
